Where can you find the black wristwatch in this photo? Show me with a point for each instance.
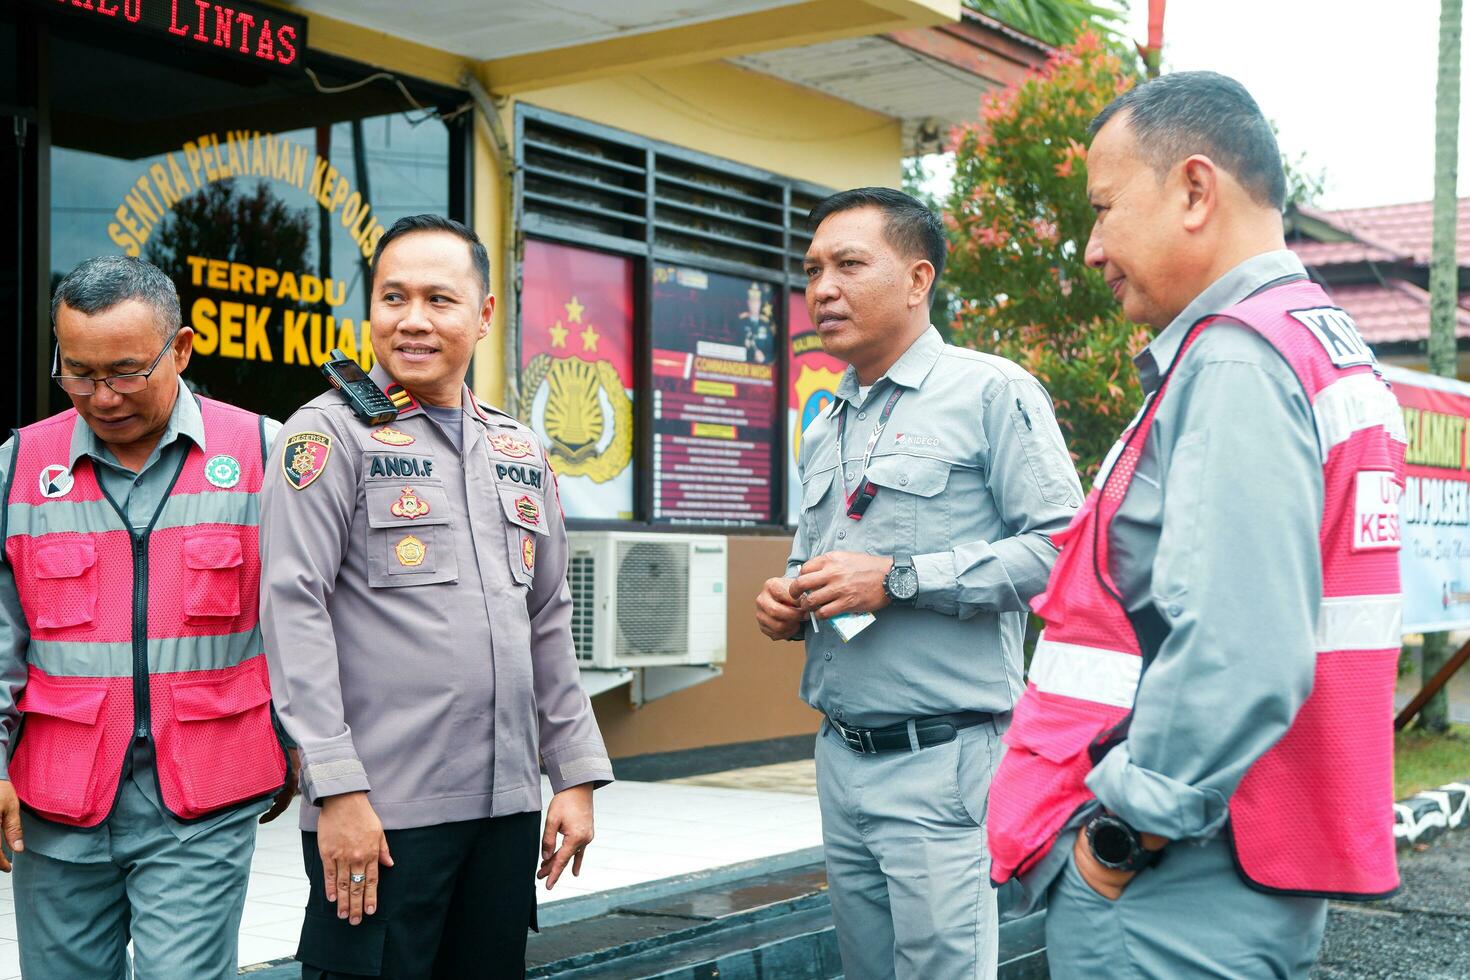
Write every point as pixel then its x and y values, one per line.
pixel 1117 845
pixel 901 584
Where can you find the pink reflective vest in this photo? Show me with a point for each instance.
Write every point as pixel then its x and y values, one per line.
pixel 147 634
pixel 1313 815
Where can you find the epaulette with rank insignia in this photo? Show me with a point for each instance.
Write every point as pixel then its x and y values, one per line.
pixel 399 396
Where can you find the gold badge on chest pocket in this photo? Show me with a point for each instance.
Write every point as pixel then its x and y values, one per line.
pixel 410 552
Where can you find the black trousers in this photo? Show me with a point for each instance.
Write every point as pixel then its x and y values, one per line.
pixel 456 904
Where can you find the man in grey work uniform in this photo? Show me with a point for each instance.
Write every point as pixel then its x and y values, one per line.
pixel 928 494
pixel 121 866
pixel 1215 547
pixel 417 619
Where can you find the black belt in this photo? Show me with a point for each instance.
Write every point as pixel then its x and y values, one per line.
pixel 932 730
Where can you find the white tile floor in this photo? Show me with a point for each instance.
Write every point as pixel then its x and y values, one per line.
pixel 645 831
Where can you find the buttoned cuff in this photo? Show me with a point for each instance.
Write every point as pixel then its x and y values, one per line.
pixel 1154 803
pixel 578 763
pixel 938 588
pixel 332 777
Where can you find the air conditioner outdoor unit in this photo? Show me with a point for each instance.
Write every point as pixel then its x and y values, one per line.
pixel 641 599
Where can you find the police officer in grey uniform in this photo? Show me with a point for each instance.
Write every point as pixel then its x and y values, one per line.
pixel 417 619
pixel 928 494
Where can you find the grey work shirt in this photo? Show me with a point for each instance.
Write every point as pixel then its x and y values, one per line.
pixel 419 648
pixel 1218 539
pixel 139 495
pixel 972 476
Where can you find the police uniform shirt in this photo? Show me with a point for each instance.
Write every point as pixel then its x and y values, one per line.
pixel 138 494
pixel 416 615
pixel 972 477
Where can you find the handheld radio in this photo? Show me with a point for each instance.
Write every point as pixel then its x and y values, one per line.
pixel 366 398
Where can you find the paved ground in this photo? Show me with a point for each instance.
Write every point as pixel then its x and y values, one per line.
pixel 645 831
pixel 1423 933
pixel 781 777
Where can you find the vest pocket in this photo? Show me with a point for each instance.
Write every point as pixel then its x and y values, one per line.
pixel 55 761
pixel 1040 780
pixel 217 746
pixel 66 582
pixel 212 563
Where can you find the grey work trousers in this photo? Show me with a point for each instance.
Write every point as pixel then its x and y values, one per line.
pixel 179 902
pixel 1189 916
pixel 907 862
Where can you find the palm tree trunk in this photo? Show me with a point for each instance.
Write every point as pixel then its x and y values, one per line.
pixel 1444 275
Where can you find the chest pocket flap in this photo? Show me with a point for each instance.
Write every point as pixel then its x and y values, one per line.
pixel 816 487
pixel 922 476
pixel 400 503
pixel 524 509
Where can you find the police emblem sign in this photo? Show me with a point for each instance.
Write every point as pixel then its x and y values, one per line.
pixel 577 374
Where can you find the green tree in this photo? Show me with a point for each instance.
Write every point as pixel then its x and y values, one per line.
pixel 1019 220
pixel 1443 281
pixel 1052 21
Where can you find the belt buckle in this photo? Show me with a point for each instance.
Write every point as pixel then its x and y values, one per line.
pixel 859 740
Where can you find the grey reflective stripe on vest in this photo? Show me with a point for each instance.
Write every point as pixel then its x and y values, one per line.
pixel 165 656
pixel 95 517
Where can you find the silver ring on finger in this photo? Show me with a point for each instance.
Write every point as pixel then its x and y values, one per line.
pixel 357 879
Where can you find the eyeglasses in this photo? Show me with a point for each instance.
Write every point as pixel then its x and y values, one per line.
pixel 123 384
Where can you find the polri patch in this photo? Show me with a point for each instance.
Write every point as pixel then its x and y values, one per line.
pixel 222 471
pixel 513 446
pixel 526 476
pixel 529 510
pixel 1337 333
pixel 56 481
pixel 390 436
pixel 1376 511
pixel 305 457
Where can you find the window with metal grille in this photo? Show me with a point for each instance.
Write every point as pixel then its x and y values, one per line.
pixel 601 186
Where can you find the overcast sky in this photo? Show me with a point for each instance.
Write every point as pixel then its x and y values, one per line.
pixel 1350 83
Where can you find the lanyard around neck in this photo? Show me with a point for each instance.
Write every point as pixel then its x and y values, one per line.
pixel 859 500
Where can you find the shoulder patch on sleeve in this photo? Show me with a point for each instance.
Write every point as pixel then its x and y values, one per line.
pixel 305 458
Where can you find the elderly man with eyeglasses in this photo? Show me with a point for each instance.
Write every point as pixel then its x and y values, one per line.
pixel 135 707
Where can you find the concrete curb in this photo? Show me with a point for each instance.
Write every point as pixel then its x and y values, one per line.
pixel 1424 816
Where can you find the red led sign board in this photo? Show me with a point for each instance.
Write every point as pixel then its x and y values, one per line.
pixel 243 32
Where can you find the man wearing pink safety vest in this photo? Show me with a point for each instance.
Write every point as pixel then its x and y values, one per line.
pixel 134 698
pixel 1203 755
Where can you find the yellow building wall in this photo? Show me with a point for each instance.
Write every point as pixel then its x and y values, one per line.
pixel 726 111
pixel 714 108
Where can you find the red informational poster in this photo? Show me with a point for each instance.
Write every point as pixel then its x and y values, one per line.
pixel 576 386
pixel 812 375
pixel 714 391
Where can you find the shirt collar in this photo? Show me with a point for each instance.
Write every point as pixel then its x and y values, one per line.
pixel 1247 278
pixel 185 421
pixel 909 371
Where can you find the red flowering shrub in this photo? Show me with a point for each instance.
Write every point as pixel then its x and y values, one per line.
pixel 1018 219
